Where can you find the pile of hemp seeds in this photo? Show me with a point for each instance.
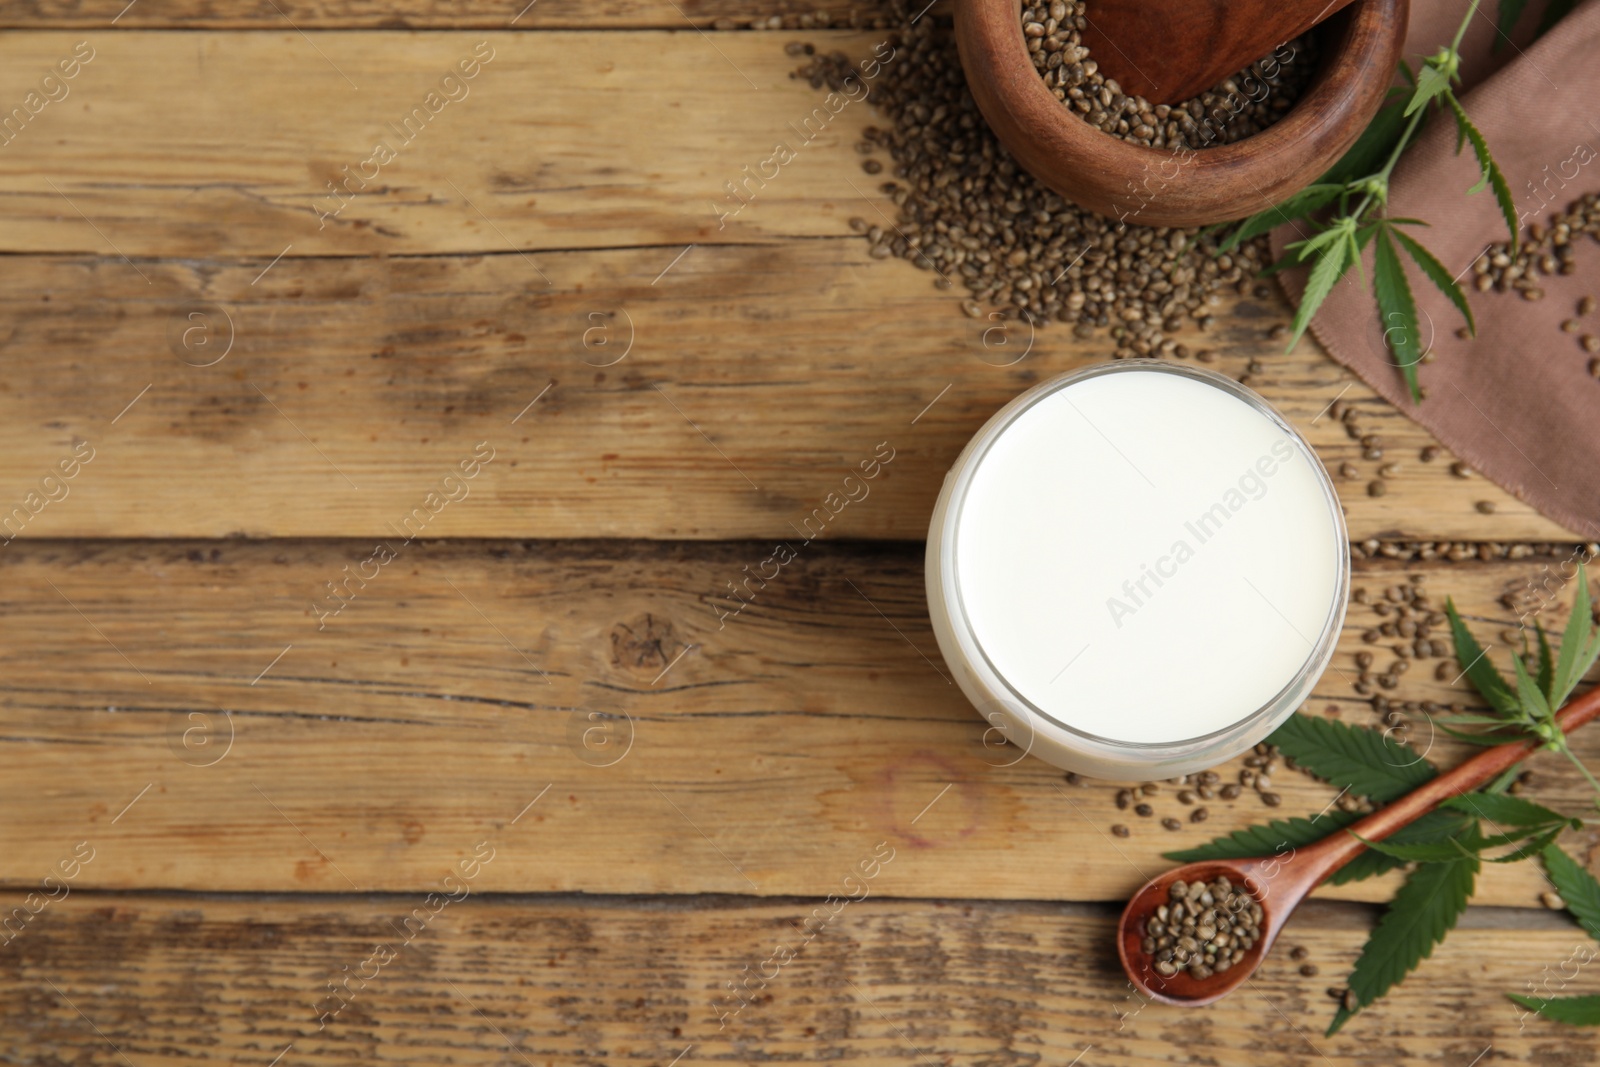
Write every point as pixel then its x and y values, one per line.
pixel 1238 107
pixel 1204 928
pixel 969 214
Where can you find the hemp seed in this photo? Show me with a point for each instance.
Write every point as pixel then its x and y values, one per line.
pixel 1204 928
pixel 966 209
pixel 1074 78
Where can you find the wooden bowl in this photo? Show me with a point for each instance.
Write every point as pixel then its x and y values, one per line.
pixel 1361 47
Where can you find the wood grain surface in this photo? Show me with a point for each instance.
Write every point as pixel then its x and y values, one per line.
pixel 752 351
pixel 240 146
pixel 259 741
pixel 425 14
pixel 257 752
pixel 550 980
pixel 727 399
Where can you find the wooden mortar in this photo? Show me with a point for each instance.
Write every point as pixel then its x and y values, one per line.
pixel 1361 48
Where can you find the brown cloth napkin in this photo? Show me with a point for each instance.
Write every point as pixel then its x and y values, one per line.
pixel 1517 403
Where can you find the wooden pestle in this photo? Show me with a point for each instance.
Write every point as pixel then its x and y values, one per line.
pixel 1171 50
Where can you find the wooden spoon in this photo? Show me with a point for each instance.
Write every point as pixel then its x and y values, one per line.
pixel 1280 882
pixel 1171 50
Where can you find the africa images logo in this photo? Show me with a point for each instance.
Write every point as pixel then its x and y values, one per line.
pixel 1251 485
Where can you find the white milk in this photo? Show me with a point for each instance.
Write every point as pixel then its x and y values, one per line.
pixel 1138 570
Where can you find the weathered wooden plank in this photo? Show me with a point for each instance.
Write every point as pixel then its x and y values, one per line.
pixel 434 14
pixel 178 707
pixel 211 144
pixel 130 166
pixel 724 398
pixel 184 980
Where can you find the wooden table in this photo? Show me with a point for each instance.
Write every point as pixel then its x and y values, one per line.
pixel 525 796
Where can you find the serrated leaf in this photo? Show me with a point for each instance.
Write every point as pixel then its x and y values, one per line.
pixel 1434 826
pixel 1533 700
pixel 1547 665
pixel 1307 201
pixel 1586 659
pixel 1510 12
pixel 1503 809
pixel 1577 887
pixel 1577 1011
pixel 1469 841
pixel 1532 846
pixel 1480 671
pixel 1438 275
pixel 1488 740
pixel 1479 843
pixel 1398 309
pixel 1325 274
pixel 1277 836
pixel 1471 719
pixel 1579 643
pixel 1447 851
pixel 1306 248
pixel 1431 82
pixel 1358 244
pixel 1367 864
pixel 1464 130
pixel 1357 758
pixel 1422 912
pixel 1491 171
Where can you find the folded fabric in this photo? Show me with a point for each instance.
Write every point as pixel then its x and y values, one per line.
pixel 1518 403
